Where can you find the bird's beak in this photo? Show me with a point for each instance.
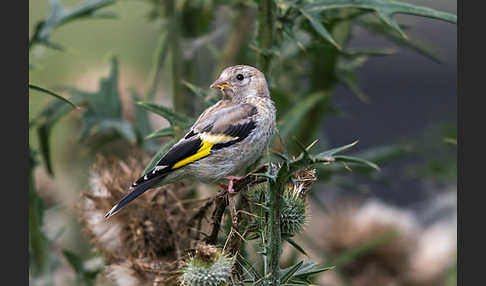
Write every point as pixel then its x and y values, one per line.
pixel 221 84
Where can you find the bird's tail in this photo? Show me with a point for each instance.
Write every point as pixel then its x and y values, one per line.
pixel 133 195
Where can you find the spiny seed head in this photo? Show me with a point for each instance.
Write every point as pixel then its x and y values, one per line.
pixel 209 267
pixel 293 212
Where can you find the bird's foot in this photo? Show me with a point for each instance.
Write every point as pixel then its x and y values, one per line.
pixel 229 187
pixel 230 183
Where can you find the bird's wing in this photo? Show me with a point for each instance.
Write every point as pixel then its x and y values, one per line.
pixel 214 130
pixel 219 128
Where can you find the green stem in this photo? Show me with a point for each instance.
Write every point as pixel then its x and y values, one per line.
pixel 274 248
pixel 37 240
pixel 179 99
pixel 265 34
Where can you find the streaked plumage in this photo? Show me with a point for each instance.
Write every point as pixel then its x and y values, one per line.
pixel 226 138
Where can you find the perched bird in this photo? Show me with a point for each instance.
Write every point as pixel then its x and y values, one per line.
pixel 226 138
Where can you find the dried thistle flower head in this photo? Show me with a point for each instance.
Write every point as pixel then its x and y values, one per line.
pixel 208 267
pixel 388 233
pixel 145 239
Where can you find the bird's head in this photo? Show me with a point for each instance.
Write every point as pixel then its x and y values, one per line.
pixel 238 82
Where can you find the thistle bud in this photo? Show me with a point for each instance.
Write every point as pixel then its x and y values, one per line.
pixel 293 215
pixel 208 267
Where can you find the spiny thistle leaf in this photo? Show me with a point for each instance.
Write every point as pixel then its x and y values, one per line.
pixel 46 91
pixel 305 269
pixel 248 267
pixel 142 124
pixel 384 9
pixel 377 27
pixel 288 272
pixel 341 158
pixel 319 28
pixel 174 118
pixel 208 100
pixel 169 131
pixel 195 89
pixel 45 122
pixel 332 152
pixel 296 245
pixel 59 16
pixel 104 109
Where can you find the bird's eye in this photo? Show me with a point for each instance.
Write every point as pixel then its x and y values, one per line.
pixel 240 77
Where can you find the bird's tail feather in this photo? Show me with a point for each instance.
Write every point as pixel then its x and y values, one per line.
pixel 133 195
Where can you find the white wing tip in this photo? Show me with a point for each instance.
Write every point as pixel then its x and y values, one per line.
pixel 111 212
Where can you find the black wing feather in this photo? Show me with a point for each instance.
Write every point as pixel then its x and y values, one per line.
pixel 133 195
pixel 178 152
pixel 239 130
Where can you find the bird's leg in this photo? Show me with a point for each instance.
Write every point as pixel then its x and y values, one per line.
pixel 229 187
pixel 230 183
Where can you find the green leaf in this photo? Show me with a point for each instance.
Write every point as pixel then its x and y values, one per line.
pixel 294 118
pixel 106 102
pixel 83 276
pixel 59 16
pixel 169 131
pixel 332 152
pixel 314 271
pixel 73 259
pixel 306 269
pixel 44 132
pixel 45 122
pixel 202 93
pixel 319 28
pixel 121 127
pixel 103 115
pixel 384 9
pixel 287 273
pixel 349 79
pixel 46 91
pixel 174 118
pixel 411 43
pixel 195 89
pixel 142 122
pixel 246 265
pixel 296 245
pixel 349 159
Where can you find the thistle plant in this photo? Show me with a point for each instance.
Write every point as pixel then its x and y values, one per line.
pixel 172 235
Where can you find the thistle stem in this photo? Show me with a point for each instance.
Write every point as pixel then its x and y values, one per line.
pixel 179 99
pixel 265 34
pixel 274 246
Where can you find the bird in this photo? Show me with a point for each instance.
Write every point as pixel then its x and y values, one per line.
pixel 225 139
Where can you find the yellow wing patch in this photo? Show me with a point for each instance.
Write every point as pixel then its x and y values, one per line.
pixel 208 140
pixel 202 152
